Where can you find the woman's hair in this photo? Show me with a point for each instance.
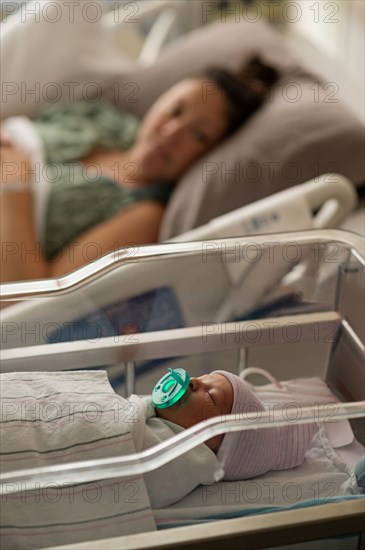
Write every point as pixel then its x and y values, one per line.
pixel 246 89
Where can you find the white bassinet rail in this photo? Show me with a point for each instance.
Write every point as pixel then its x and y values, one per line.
pixel 155 457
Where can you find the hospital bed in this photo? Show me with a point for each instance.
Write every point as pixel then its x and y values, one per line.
pixel 315 329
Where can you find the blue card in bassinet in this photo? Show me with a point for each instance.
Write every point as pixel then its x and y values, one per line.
pixel 156 309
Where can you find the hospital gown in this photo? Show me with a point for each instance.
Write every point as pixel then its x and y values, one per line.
pixel 78 199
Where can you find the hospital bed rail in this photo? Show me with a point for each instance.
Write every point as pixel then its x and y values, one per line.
pixel 161 16
pixel 329 198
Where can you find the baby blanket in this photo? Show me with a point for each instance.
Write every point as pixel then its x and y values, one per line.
pixel 60 417
pixel 63 417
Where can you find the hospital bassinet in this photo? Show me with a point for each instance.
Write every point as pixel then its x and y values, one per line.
pixel 306 320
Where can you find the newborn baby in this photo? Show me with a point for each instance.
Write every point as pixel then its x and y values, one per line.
pixel 244 454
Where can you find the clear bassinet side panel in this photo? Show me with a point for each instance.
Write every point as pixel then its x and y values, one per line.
pixel 265 288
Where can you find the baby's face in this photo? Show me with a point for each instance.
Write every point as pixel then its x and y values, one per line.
pixel 207 396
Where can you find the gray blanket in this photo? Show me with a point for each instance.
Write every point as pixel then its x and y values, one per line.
pixel 63 417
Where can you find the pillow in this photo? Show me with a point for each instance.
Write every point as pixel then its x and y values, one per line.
pixel 302 131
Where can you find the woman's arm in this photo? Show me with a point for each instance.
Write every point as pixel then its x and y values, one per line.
pixel 22 257
pixel 4 136
pixel 21 254
pixel 136 225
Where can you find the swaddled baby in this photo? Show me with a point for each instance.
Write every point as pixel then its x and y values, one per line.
pixel 244 454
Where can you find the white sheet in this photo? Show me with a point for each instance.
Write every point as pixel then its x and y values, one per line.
pixel 322 476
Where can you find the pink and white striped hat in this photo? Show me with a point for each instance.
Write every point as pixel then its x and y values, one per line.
pixel 251 453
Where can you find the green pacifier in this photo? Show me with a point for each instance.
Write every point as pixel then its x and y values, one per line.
pixel 170 388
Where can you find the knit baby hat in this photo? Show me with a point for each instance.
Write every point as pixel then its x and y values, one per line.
pixel 251 453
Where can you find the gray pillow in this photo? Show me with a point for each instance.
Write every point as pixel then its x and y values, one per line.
pixel 303 129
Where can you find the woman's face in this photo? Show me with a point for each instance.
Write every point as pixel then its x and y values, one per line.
pixel 207 396
pixel 183 124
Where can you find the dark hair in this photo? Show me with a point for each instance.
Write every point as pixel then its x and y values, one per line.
pixel 245 89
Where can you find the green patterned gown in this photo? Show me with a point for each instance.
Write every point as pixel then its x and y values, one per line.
pixel 79 200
